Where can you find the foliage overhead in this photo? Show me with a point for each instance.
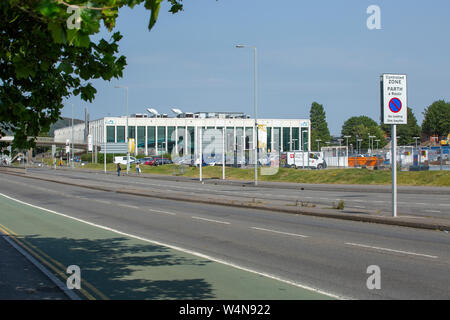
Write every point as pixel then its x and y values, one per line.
pixel 45 59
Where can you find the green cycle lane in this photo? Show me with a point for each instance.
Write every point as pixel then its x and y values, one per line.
pixel 118 266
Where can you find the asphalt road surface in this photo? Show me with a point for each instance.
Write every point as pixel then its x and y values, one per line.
pixel 327 254
pixel 416 204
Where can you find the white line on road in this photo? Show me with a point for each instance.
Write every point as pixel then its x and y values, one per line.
pixel 358 207
pixel 128 206
pixel 102 201
pixel 195 253
pixel 165 212
pixel 391 250
pixel 280 232
pixel 210 220
pixel 436 211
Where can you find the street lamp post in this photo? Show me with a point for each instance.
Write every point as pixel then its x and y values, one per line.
pixel 318 144
pixel 126 132
pixel 378 152
pixel 72 139
pixel 256 107
pixel 339 151
pixel 417 150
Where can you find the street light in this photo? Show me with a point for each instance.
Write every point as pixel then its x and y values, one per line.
pixel 240 46
pixel 126 133
pixel 372 143
pixel 72 139
pixel 346 137
pixel 318 144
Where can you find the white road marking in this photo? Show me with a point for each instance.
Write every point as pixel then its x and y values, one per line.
pixel 421 203
pixel 358 207
pixel 280 232
pixel 127 206
pixel 165 212
pixel 210 220
pixel 391 250
pixel 195 253
pixel 436 211
pixel 102 201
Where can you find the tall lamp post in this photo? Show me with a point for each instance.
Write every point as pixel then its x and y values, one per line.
pixel 240 46
pixel 339 152
pixel 371 137
pixel 73 153
pixel 126 132
pixel 318 144
pixel 418 152
pixel 346 137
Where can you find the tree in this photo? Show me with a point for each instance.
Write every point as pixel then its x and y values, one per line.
pixel 406 132
pixel 319 126
pixel 361 128
pixel 437 119
pixel 47 56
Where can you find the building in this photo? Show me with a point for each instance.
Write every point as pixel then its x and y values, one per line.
pixel 159 134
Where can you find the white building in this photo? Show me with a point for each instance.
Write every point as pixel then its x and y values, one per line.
pixel 161 134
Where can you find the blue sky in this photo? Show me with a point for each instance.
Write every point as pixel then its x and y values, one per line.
pixel 307 51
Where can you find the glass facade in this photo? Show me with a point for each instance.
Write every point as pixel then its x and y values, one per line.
pixel 181 141
pixel 191 140
pixel 120 134
pixel 141 137
pixel 295 139
pixel 170 139
pixel 110 134
pixel 305 139
pixel 276 139
pixel 248 138
pixel 131 132
pixel 151 137
pixel 286 139
pixel 269 139
pixel 161 139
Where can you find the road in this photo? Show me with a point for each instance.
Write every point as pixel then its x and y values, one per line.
pixel 329 255
pixel 413 204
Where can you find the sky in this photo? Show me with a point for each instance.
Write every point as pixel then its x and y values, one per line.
pixel 307 51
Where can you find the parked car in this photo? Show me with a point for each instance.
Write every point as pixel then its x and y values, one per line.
pixel 159 161
pixel 145 161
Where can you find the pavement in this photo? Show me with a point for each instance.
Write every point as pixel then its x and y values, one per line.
pixel 22 280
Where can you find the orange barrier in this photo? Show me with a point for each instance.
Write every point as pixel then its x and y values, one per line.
pixel 364 161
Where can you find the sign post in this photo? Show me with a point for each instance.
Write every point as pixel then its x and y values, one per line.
pixel 394 112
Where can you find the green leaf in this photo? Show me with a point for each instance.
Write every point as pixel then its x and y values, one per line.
pixel 58 34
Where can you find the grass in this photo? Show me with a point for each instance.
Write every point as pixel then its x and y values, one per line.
pixel 329 176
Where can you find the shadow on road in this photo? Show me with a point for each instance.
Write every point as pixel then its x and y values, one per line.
pixel 121 268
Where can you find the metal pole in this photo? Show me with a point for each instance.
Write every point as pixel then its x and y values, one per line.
pixel 441 159
pixel 223 153
pixel 394 169
pixel 128 139
pixel 104 155
pixel 256 124
pixel 201 153
pixel 72 137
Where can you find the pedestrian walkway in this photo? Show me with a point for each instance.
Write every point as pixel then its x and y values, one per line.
pixel 21 280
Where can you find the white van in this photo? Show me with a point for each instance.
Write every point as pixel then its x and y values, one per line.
pixel 123 160
pixel 303 159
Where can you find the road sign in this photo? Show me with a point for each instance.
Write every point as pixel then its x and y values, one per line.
pixel 393 99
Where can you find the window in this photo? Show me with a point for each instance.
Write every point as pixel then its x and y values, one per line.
pixel 162 139
pixel 286 139
pixel 170 139
pixel 110 134
pixel 295 139
pixel 120 134
pixel 151 132
pixel 141 137
pixel 269 139
pixel 305 139
pixel 131 132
